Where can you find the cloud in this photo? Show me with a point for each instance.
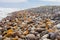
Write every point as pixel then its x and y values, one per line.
pixel 5 11
pixel 13 1
pixel 9 9
pixel 52 0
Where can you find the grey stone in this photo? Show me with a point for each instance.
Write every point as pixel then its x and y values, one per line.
pixel 30 36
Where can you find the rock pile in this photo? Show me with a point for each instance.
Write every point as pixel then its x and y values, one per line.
pixel 29 26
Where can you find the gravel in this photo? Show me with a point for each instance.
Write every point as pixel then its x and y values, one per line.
pixel 20 26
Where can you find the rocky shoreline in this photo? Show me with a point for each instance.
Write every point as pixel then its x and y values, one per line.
pixel 30 26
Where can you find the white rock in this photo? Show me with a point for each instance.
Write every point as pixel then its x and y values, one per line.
pixel 23 23
pixel 45 36
pixel 58 26
pixel 52 21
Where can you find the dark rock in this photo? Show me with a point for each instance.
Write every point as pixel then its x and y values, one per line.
pixel 39 30
pixel 52 36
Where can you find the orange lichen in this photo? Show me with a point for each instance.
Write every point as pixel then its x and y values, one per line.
pixel 9 32
pixel 50 30
pixel 48 22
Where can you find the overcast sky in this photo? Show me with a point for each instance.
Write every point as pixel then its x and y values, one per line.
pixel 8 6
pixel 22 4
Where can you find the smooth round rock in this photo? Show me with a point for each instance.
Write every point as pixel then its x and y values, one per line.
pixel 39 30
pixel 52 36
pixel 30 36
pixel 58 26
